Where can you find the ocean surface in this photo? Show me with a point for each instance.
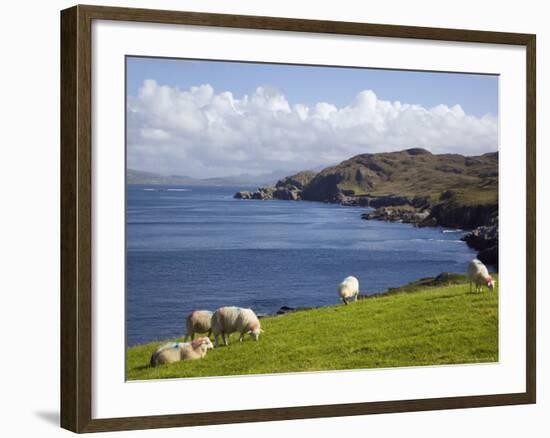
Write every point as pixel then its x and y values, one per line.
pixel 192 247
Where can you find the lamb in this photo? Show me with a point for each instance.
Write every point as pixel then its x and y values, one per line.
pixel 349 289
pixel 176 351
pixel 198 321
pixel 478 274
pixel 227 320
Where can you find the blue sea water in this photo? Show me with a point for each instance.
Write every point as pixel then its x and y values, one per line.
pixel 192 247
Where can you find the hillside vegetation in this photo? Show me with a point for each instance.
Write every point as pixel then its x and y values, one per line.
pixel 410 173
pixel 456 190
pixel 424 323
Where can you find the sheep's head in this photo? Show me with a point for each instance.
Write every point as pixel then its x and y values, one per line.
pixel 203 342
pixel 255 333
pixel 491 283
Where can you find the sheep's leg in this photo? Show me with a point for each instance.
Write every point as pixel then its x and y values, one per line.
pixel 209 333
pixel 241 337
pixel 216 336
pixel 345 301
pixel 192 336
pixel 355 300
pixel 225 339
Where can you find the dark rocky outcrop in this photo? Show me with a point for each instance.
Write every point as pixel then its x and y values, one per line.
pixel 286 309
pixel 453 215
pixel 355 201
pixel 286 194
pixel 390 200
pixel 399 214
pixel 483 237
pixel 489 256
pixel 243 195
pixel 485 240
pixel 286 189
pixel 262 194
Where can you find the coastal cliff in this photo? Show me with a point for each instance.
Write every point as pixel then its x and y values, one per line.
pixel 412 186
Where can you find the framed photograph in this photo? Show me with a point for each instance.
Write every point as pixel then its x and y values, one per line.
pixel 269 218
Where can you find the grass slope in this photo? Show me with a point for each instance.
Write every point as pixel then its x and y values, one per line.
pixel 419 325
pixel 412 172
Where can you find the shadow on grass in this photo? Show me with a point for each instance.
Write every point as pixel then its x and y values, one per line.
pixel 477 294
pixel 142 368
pixel 443 297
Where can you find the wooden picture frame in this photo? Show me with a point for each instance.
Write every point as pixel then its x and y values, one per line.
pixel 76 217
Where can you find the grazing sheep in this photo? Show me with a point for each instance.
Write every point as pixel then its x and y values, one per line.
pixel 227 320
pixel 248 322
pixel 349 289
pixel 224 321
pixel 198 321
pixel 176 351
pixel 478 274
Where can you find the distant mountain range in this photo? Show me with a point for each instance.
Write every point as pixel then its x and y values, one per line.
pixel 134 176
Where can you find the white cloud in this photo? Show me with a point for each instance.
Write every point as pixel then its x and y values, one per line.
pixel 203 133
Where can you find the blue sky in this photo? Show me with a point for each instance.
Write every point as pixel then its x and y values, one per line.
pixel 476 94
pixel 211 119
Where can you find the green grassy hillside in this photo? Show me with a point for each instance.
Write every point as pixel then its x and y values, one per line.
pixel 410 173
pixel 419 325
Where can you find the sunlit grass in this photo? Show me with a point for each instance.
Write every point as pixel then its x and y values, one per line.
pixel 430 326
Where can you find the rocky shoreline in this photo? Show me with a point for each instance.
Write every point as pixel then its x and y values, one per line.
pixel 417 217
pixel 381 181
pixel 482 221
pixel 484 239
pixel 286 189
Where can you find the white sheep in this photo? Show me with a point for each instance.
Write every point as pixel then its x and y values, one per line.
pixel 349 289
pixel 198 321
pixel 176 351
pixel 248 322
pixel 227 320
pixel 478 274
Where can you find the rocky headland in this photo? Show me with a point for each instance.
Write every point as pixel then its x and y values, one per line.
pixel 410 186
